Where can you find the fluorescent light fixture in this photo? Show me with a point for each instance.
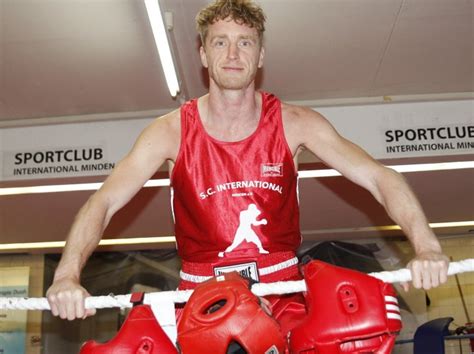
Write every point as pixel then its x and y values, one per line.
pixel 442 166
pixel 434 225
pixel 108 242
pixel 55 188
pixel 172 239
pixel 163 45
pixel 164 182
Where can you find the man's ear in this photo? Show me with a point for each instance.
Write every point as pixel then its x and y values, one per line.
pixel 202 54
pixel 261 56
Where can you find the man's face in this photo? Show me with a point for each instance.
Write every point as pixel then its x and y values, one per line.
pixel 232 53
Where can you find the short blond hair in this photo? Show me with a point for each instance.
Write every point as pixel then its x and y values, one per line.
pixel 244 12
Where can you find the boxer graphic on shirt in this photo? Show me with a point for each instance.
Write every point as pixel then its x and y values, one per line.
pixel 247 218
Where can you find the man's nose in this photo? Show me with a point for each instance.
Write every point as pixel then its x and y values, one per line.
pixel 233 51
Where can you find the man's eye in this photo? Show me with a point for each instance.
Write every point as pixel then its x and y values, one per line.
pixel 219 43
pixel 245 43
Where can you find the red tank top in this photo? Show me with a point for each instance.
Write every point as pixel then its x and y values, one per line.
pixel 234 199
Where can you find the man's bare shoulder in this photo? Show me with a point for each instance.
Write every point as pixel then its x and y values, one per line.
pixel 162 136
pixel 299 114
pixel 169 122
pixel 302 124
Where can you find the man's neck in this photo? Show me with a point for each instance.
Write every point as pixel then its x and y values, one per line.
pixel 236 104
pixel 230 114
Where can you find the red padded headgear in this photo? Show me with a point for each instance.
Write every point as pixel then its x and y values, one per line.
pixel 223 310
pixel 348 312
pixel 140 334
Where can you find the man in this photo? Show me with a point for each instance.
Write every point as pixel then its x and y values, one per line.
pixel 232 152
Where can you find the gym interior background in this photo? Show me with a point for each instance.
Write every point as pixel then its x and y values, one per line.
pixel 80 79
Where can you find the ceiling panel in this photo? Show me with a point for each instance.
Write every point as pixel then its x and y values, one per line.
pixel 431 49
pixel 326 49
pixel 80 57
pixel 83 57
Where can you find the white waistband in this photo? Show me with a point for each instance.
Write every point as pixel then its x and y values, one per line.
pixel 262 271
pixel 193 278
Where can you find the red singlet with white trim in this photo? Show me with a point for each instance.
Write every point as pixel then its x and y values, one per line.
pixel 235 199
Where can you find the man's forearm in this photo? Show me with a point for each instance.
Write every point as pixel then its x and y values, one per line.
pixel 82 240
pixel 404 208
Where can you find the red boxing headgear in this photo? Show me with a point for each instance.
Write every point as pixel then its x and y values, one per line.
pixel 140 334
pixel 348 312
pixel 223 312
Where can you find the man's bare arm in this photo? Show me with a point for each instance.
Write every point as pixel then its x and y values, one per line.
pixel 156 144
pixel 429 267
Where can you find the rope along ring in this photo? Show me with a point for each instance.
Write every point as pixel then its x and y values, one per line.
pixel 260 289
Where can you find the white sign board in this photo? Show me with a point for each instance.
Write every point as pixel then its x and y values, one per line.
pixel 66 150
pixel 408 129
pixel 390 130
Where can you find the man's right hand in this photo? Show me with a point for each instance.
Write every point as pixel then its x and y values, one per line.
pixel 66 298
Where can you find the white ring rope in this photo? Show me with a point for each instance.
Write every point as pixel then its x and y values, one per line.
pixel 260 289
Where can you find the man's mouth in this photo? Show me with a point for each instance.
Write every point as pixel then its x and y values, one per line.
pixel 232 68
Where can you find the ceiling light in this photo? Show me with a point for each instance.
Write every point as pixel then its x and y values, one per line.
pixel 163 45
pixel 171 239
pixel 443 166
pixel 55 188
pixel 434 225
pixel 107 242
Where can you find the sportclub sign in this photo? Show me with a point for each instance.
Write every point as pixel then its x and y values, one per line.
pixel 389 130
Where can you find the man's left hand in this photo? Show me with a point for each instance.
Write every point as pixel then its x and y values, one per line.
pixel 428 270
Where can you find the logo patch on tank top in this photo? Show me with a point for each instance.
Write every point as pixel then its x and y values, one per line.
pixel 247 270
pixel 272 169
